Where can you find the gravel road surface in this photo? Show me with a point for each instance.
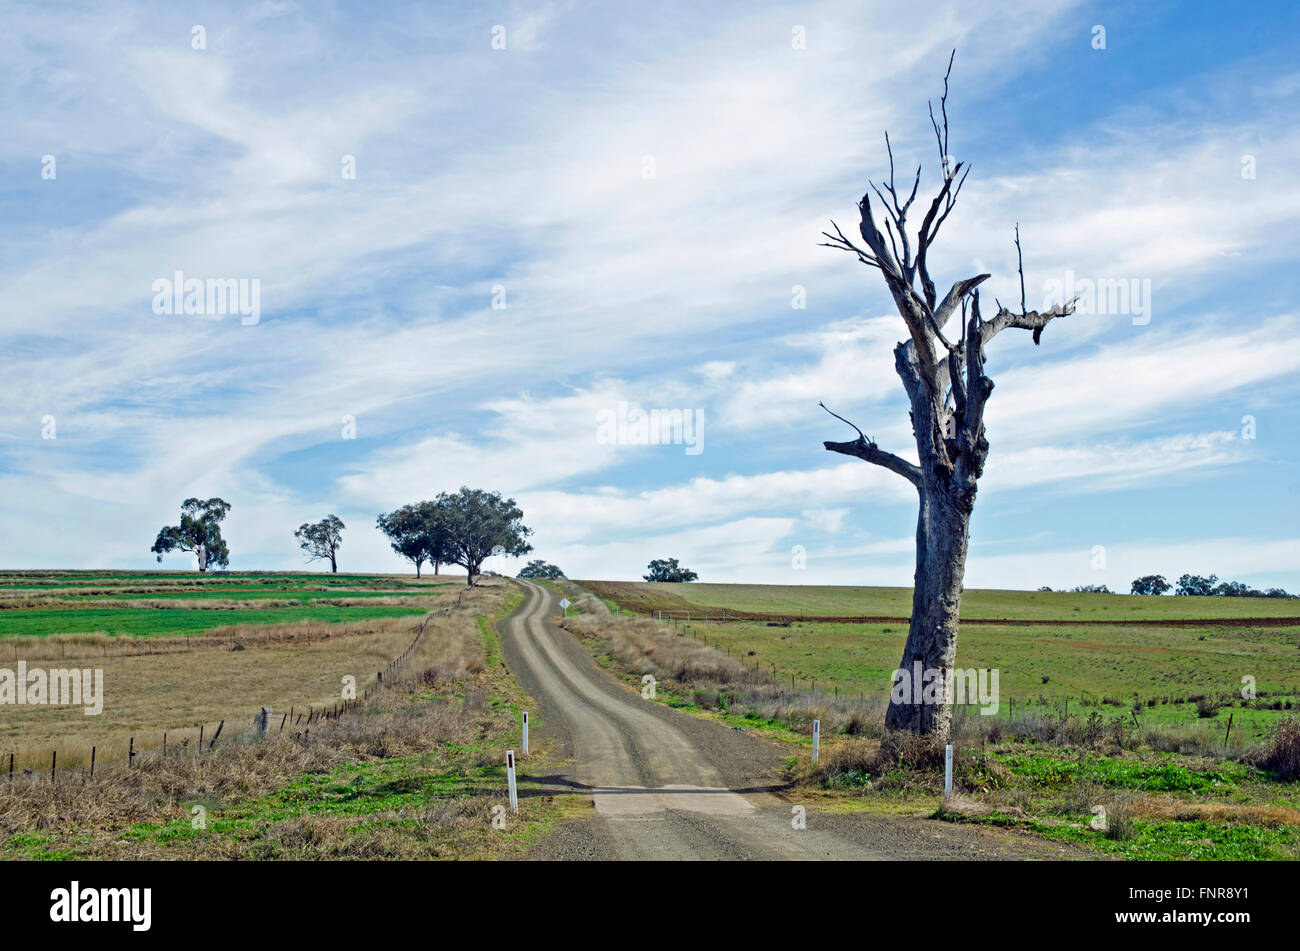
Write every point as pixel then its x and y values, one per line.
pixel 666 785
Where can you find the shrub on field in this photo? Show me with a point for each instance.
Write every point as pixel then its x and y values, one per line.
pixel 1120 825
pixel 1186 739
pixel 1281 754
pixel 1080 797
pixel 1207 707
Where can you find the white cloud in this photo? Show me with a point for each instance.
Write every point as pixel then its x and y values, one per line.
pixel 826 520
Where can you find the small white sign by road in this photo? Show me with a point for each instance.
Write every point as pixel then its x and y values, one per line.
pixel 564 603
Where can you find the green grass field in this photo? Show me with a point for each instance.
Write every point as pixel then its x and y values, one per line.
pixel 1107 664
pixel 153 622
pixel 82 602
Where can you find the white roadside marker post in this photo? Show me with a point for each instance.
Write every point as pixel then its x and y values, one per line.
pixel 817 736
pixel 510 778
pixel 525 732
pixel 947 771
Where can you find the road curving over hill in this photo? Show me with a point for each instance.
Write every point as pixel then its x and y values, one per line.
pixel 666 785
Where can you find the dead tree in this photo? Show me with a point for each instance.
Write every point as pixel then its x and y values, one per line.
pixel 943 374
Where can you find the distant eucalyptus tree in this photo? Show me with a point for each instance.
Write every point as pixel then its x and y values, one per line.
pixel 322 540
pixel 199 532
pixel 480 524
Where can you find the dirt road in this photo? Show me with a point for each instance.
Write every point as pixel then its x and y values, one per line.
pixel 666 785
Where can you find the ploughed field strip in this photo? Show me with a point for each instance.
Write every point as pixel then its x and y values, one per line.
pixel 41 604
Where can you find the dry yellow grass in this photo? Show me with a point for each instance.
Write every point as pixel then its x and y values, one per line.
pixel 1165 807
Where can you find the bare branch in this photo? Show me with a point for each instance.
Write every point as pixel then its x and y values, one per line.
pixel 930 231
pixel 866 449
pixel 1020 266
pixel 843 420
pixel 942 139
pixel 876 456
pixel 841 243
pixel 1032 320
pixel 875 240
pixel 957 295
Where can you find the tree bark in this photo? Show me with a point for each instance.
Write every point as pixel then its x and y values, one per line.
pixel 334 565
pixel 942 534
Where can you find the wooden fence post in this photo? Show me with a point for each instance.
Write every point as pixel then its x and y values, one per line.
pixel 92 762
pixel 130 756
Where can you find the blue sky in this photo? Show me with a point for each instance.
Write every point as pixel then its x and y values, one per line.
pixel 525 169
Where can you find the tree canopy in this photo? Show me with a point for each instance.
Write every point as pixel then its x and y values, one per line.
pixel 1196 585
pixel 480 524
pixel 1201 586
pixel 417 532
pixel 322 540
pixel 1150 584
pixel 540 569
pixel 199 532
pixel 667 569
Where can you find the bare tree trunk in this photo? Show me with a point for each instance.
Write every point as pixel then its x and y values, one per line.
pixel 947 388
pixel 942 533
pixel 334 565
pixel 202 555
